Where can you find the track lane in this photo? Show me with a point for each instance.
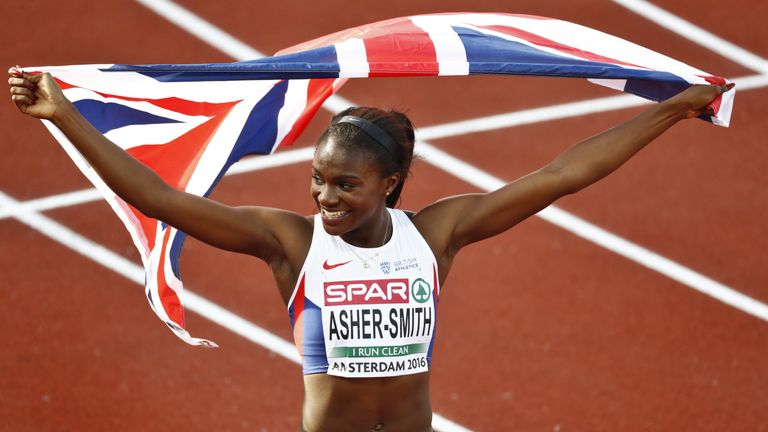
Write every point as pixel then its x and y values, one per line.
pixel 533 413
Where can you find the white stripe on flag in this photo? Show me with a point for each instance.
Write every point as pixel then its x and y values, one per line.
pixel 295 104
pixel 220 147
pixel 352 58
pixel 451 55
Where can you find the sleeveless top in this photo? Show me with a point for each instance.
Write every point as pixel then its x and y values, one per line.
pixel 366 312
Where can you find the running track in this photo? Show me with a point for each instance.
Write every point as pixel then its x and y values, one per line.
pixel 541 328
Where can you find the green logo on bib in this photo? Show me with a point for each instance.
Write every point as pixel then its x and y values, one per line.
pixel 420 290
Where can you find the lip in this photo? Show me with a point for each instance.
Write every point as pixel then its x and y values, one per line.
pixel 333 217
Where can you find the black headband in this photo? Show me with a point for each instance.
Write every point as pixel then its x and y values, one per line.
pixel 374 132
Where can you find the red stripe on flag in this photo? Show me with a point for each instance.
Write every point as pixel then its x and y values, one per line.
pixel 135 219
pixel 148 227
pixel 436 284
pixel 388 55
pixel 298 317
pixel 714 80
pixel 182 106
pixel 178 105
pixel 176 160
pixel 548 43
pixel 64 85
pixel 318 91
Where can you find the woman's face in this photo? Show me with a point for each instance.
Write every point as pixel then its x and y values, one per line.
pixel 350 193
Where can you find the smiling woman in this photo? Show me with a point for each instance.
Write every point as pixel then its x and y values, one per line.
pixel 357 160
pixel 361 279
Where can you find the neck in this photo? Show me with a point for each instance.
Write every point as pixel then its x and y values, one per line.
pixel 376 235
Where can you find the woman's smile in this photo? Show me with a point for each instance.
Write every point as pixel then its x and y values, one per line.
pixel 333 215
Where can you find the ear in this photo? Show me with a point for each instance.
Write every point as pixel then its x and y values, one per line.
pixel 391 181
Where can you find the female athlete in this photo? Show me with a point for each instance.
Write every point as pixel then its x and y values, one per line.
pixel 360 278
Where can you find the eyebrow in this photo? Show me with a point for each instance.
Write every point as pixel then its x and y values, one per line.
pixel 338 177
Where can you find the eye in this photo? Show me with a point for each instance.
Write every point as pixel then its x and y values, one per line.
pixel 316 179
pixel 346 186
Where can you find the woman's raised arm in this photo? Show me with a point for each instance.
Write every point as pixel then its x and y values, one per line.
pixel 457 221
pixel 261 232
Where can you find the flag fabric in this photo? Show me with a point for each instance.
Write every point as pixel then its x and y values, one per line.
pixel 190 123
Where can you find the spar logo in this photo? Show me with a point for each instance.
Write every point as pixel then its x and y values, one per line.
pixel 421 290
pixel 380 291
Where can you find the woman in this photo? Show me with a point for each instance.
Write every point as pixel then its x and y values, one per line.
pixel 360 279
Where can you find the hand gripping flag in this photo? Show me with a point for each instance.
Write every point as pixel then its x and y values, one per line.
pixel 189 123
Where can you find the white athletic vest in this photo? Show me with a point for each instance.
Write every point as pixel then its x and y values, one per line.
pixel 359 312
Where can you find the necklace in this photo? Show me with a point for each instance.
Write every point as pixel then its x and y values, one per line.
pixel 373 257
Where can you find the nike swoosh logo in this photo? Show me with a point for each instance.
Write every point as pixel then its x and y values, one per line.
pixel 333 266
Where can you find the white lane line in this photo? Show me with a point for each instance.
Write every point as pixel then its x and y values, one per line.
pixel 135 273
pixel 200 28
pixel 51 202
pixel 91 194
pixel 334 104
pixel 696 34
pixel 447 130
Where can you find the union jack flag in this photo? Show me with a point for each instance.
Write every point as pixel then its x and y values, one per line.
pixel 189 123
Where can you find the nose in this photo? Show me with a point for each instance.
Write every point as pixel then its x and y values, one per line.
pixel 327 196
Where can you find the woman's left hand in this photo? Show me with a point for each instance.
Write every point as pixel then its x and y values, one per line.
pixel 696 100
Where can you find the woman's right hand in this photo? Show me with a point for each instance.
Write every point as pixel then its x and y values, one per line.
pixel 37 95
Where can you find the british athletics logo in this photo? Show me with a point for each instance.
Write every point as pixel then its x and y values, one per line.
pixel 361 292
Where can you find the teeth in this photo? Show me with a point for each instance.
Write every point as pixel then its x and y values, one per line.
pixel 333 215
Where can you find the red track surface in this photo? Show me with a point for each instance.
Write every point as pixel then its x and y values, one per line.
pixel 540 330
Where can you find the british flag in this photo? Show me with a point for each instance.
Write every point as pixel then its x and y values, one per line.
pixel 189 123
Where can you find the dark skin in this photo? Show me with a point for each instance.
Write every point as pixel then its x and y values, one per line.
pixel 350 192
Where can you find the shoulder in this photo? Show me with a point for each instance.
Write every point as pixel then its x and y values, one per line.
pixel 291 230
pixel 443 212
pixel 437 221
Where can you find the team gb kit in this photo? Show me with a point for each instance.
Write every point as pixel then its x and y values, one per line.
pixel 366 312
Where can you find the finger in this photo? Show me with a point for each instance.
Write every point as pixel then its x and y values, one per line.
pixel 14 71
pixel 32 78
pixel 23 91
pixel 22 83
pixel 15 81
pixel 22 100
pixel 19 82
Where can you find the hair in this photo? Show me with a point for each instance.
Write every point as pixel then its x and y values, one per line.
pixel 393 123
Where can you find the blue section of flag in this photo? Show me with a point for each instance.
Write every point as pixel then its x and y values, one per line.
pixel 656 90
pixel 107 116
pixel 175 254
pixel 315 63
pixel 488 54
pixel 260 130
pixel 493 54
